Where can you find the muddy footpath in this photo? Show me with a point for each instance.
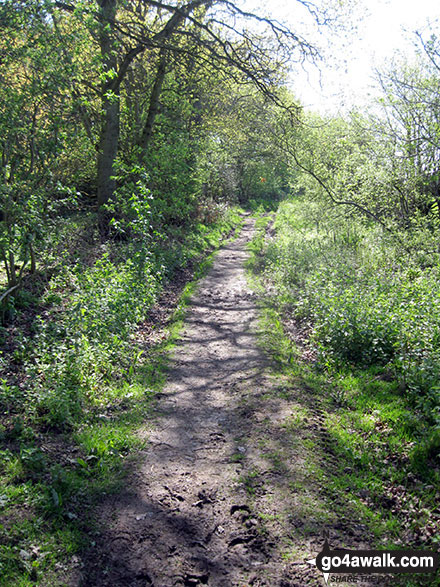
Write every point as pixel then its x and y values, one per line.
pixel 213 500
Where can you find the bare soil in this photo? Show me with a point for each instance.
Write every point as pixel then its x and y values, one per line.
pixel 221 496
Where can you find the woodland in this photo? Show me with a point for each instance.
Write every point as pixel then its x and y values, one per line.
pixel 134 136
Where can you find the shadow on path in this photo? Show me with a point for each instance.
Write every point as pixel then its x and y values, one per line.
pixel 184 518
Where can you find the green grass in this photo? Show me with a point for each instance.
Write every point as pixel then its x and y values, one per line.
pixel 370 457
pixel 371 428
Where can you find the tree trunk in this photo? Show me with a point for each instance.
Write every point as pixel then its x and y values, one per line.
pixel 108 149
pixel 147 133
pixel 109 137
pixel 109 133
pixel 12 275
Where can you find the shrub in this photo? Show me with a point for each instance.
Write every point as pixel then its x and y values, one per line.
pixel 368 303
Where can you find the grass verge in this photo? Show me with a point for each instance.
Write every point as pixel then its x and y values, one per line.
pixel 347 445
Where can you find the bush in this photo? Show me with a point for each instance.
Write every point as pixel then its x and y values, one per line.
pixel 367 302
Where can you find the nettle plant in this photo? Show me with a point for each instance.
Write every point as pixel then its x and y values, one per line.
pixel 130 207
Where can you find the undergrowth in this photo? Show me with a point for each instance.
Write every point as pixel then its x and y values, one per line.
pixel 366 303
pixel 368 365
pixel 77 385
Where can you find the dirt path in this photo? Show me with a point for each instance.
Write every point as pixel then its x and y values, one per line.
pixel 189 514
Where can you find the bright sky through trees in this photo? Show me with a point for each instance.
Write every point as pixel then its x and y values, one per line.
pixel 376 29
